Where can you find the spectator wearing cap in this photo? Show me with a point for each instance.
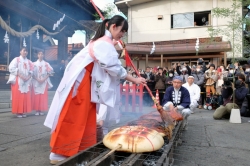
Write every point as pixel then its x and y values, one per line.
pixel 199 78
pixel 202 63
pixel 211 78
pixel 177 97
pixel 194 91
pixel 160 80
pixel 193 70
pixel 184 71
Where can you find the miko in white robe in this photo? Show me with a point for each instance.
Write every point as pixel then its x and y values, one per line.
pixel 41 83
pixel 104 89
pixel 20 69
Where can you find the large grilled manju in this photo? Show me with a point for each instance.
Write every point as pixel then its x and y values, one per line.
pixel 152 124
pixel 165 126
pixel 135 139
pixel 152 115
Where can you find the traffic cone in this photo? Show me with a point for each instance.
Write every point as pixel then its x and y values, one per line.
pixel 157 98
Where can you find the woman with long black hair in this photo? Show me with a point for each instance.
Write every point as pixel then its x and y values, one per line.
pixel 92 76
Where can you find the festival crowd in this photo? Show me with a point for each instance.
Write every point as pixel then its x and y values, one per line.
pixel 210 86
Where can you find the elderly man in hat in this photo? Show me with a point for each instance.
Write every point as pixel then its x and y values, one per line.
pixel 177 97
pixel 194 91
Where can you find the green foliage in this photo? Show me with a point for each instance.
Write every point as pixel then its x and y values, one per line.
pixel 109 10
pixel 233 29
pixel 96 16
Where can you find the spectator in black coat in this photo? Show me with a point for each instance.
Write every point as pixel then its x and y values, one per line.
pixel 201 62
pixel 242 101
pixel 150 79
pixel 199 78
pixel 247 74
pixel 240 95
pixel 169 79
pixel 227 94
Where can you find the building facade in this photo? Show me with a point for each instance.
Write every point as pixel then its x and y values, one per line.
pixel 174 27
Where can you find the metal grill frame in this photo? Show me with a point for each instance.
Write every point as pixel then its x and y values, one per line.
pixel 96 154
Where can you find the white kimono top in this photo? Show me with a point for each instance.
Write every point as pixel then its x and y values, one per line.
pixel 41 70
pixel 24 67
pixel 194 91
pixel 106 74
pixel 102 112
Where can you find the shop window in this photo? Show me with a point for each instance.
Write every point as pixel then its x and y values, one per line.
pixel 193 19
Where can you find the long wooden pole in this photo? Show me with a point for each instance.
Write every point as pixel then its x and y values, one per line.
pixel 98 11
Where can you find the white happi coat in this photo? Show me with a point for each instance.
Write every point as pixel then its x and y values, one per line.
pixel 106 75
pixel 24 67
pixel 41 70
pixel 194 91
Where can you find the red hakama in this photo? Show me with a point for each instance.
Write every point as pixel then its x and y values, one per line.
pixel 76 127
pixel 40 101
pixel 21 102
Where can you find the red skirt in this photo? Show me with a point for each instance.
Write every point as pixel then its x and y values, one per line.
pixel 76 127
pixel 40 101
pixel 21 102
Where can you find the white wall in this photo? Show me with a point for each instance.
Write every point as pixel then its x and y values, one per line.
pixel 144 25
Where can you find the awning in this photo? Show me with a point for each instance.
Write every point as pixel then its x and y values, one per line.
pixel 178 48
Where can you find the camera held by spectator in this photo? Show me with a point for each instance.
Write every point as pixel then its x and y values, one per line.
pixel 227 83
pixel 200 61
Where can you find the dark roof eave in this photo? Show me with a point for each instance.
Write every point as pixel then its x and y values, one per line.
pixel 178 48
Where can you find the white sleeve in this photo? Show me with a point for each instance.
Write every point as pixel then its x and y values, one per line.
pixel 107 57
pixel 197 93
pixel 102 113
pixel 31 69
pixel 180 107
pixel 35 71
pixel 13 67
pixel 166 106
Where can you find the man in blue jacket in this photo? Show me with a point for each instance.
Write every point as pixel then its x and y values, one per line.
pixel 178 98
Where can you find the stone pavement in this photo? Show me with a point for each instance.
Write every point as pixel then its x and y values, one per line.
pixel 208 142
